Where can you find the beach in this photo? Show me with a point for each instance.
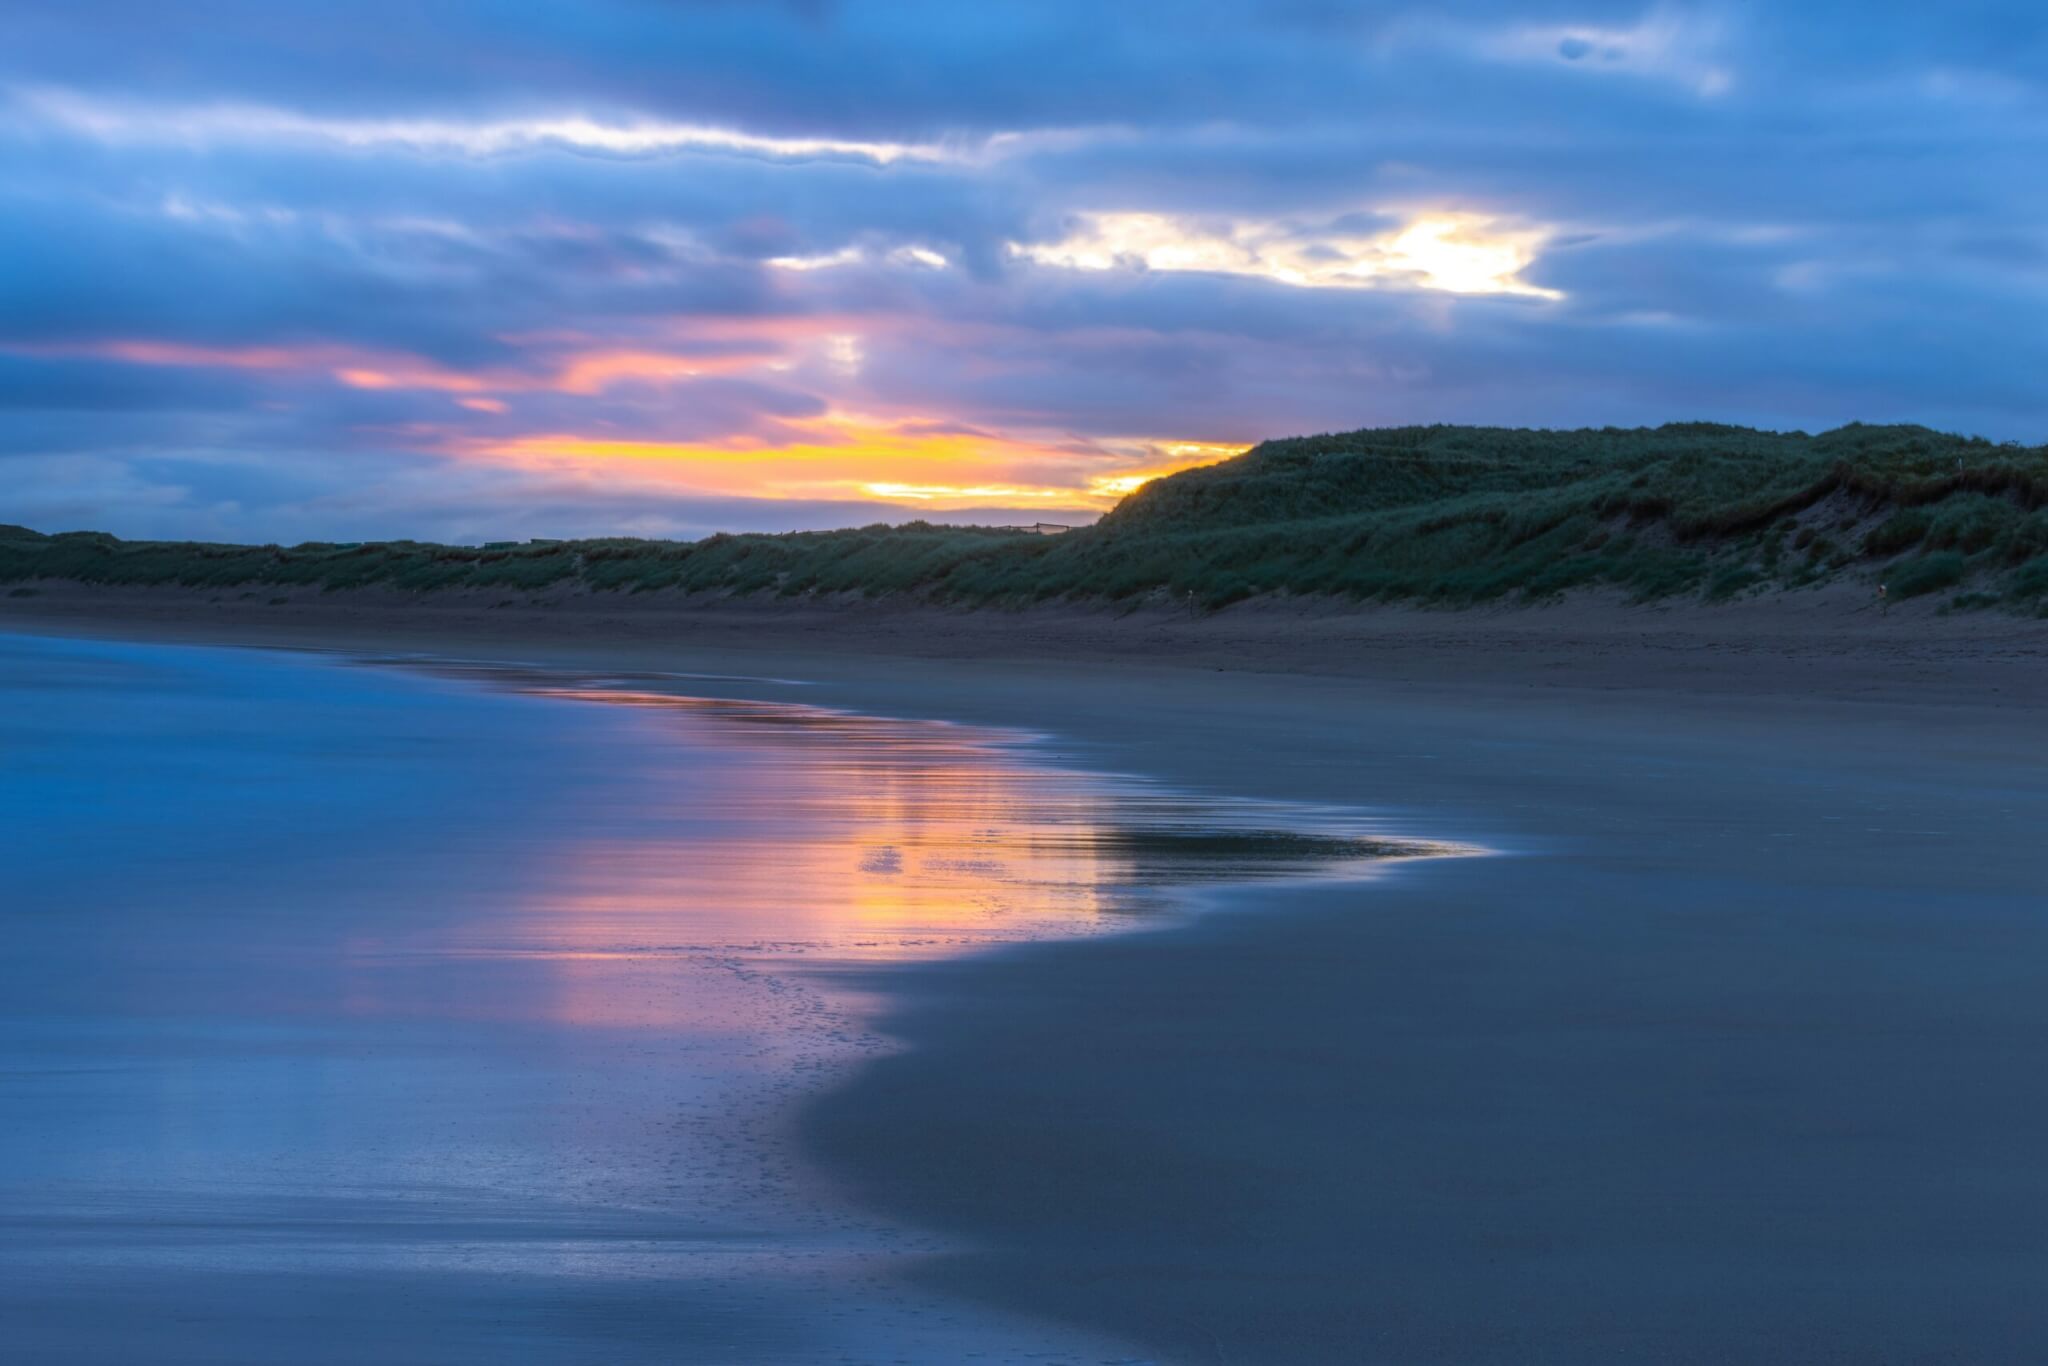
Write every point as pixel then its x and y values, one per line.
pixel 1727 1052
pixel 1023 684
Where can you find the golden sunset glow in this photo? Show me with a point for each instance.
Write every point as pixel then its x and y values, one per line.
pixel 915 461
pixel 911 462
pixel 1180 455
pixel 1118 485
pixel 950 494
pixel 853 456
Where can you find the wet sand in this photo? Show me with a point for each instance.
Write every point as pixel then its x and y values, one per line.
pixel 1732 1057
pixel 1736 1060
pixel 432 1013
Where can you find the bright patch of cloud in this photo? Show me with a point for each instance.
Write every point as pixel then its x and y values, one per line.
pixel 856 255
pixel 845 256
pixel 845 353
pixel 1456 253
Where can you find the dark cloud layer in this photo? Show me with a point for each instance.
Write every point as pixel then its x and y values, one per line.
pixel 474 269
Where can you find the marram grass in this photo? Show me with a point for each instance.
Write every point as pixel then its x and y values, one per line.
pixel 1436 515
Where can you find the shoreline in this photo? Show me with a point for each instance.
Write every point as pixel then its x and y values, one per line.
pixel 1816 646
pixel 1732 1064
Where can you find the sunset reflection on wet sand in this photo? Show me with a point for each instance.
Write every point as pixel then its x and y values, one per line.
pixel 516 972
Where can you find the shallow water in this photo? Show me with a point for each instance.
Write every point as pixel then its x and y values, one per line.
pixel 453 1014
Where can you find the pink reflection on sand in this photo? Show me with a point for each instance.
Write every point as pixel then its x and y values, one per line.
pixel 748 835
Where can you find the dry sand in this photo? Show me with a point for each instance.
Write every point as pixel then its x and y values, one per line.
pixel 1825 644
pixel 1733 1055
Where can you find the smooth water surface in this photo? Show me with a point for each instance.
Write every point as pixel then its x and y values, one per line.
pixel 359 1013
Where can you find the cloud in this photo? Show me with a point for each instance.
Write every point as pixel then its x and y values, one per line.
pixel 671 264
pixel 575 364
pixel 857 255
pixel 1665 43
pixel 1456 253
pixel 215 124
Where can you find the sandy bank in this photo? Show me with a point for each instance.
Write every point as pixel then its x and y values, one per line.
pixel 1826 644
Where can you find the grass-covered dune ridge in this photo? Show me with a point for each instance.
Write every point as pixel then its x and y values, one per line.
pixel 1438 515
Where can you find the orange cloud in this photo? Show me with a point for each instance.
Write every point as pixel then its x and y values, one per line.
pixel 409 374
pixel 906 460
pixel 140 352
pixel 355 367
pixel 584 373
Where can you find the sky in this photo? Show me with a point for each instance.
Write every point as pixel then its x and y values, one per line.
pixel 468 271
